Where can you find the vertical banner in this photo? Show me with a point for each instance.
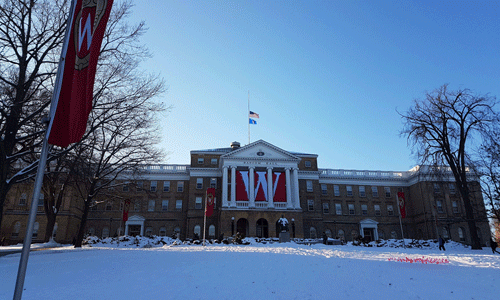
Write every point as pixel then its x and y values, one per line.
pixel 279 186
pixel 68 120
pixel 209 205
pixel 126 208
pixel 402 204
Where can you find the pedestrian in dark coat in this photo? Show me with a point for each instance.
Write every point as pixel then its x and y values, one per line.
pixel 325 238
pixel 441 243
pixel 493 246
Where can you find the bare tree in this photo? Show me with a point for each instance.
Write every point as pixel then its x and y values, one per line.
pixel 442 128
pixel 30 41
pixel 489 168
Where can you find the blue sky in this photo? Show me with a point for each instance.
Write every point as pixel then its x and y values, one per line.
pixel 326 77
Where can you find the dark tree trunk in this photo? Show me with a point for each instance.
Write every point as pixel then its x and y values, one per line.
pixel 83 223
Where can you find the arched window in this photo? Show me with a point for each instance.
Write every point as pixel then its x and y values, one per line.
pixel 163 231
pixel 197 231
pixel 16 229
pixel 354 234
pixel 341 234
pixel 446 233
pixel 312 233
pixel 36 226
pixel 211 231
pixel 105 232
pixel 461 235
pixel 328 233
pixel 380 234
pixel 149 231
pixel 91 231
pixel 394 234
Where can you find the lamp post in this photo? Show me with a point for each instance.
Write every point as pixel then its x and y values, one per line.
pixel 293 228
pixel 232 226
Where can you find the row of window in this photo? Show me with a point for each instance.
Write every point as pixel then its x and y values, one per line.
pixel 201 161
pixel 451 188
pixel 349 190
pixel 17 229
pixel 351 208
pixel 152 205
pixel 166 185
pixel 313 234
pixel 440 209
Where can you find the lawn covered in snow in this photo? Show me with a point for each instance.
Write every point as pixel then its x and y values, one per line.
pixel 150 268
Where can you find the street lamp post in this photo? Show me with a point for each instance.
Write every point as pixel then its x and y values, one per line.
pixel 232 226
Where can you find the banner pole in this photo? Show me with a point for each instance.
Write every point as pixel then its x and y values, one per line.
pixel 400 222
pixel 248 117
pixel 205 220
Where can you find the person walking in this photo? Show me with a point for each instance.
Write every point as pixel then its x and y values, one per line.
pixel 441 243
pixel 493 246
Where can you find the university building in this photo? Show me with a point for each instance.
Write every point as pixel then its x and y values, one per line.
pixel 255 186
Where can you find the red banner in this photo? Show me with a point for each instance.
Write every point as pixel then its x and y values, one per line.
pixel 279 186
pixel 126 208
pixel 260 186
pixel 402 204
pixel 210 201
pixel 80 63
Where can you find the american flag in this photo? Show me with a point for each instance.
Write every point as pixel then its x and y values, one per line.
pixel 253 115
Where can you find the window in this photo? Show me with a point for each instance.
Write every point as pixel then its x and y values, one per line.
pixel 121 205
pixel 326 208
pixel 312 233
pixel 137 206
pixel 446 233
pixel 349 191
pixel 140 184
pixel 197 231
pixel 211 231
pixel 198 203
pixel 364 209
pixel 178 204
pixel 199 183
pixel 164 205
pixel 105 232
pixel 213 183
pixel 153 186
pixel 387 191
pixel 91 231
pixel 439 206
pixel 40 200
pixel 17 228
pixel 461 235
pixel 310 204
pixel 151 205
pixel 309 184
pixel 376 207
pixel 374 192
pixel 109 206
pixel 166 186
pixel 36 226
pixel 125 187
pixel 437 189
pixel 362 192
pixel 328 233
pixel 452 188
pixel 308 163
pixel 336 190
pixel 381 235
pixel 163 231
pixel 149 231
pixel 390 210
pixel 180 186
pixel 351 209
pixel 338 208
pixel 213 161
pixel 394 235
pixel 177 232
pixel 22 200
pixel 340 234
pixel 324 189
pixel 201 161
pixel 454 204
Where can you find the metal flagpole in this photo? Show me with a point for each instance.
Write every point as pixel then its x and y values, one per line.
pixel 205 220
pixel 400 222
pixel 248 117
pixel 23 263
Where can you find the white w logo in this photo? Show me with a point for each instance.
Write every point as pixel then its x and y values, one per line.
pixel 87 30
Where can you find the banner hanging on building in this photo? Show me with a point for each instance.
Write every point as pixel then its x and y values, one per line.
pixel 210 201
pixel 260 186
pixel 126 207
pixel 402 204
pixel 80 52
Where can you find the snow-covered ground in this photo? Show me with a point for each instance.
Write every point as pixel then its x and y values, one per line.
pixel 147 268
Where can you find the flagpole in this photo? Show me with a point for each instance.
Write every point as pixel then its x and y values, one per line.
pixel 248 115
pixel 400 222
pixel 205 220
pixel 23 262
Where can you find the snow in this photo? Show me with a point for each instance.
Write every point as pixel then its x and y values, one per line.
pixel 163 268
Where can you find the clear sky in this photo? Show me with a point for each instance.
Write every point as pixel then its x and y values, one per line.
pixel 326 77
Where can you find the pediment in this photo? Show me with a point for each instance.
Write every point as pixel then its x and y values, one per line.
pixel 260 150
pixel 368 221
pixel 137 218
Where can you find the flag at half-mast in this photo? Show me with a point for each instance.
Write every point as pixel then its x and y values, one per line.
pixel 210 202
pixel 73 102
pixel 402 204
pixel 253 115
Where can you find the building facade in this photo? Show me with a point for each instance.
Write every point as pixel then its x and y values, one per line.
pixel 258 184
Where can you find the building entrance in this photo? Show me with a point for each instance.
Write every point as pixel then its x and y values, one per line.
pixel 262 228
pixel 134 230
pixel 368 234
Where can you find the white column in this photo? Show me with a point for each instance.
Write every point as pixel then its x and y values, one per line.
pixel 224 186
pixel 233 186
pixel 288 189
pixel 296 188
pixel 126 228
pixel 270 196
pixel 252 187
